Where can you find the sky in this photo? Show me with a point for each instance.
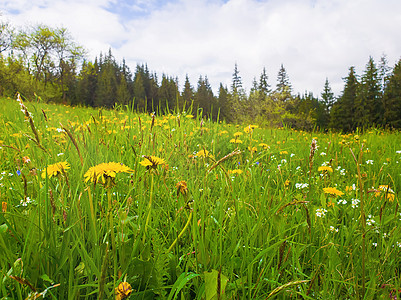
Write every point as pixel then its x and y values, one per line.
pixel 313 39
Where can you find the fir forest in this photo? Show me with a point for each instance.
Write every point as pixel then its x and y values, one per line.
pixel 118 184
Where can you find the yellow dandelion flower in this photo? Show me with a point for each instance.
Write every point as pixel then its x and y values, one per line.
pixel 387 190
pixel 123 290
pixel 55 169
pixel 106 171
pixel 333 191
pixel 250 128
pixel 152 161
pixel 182 188
pixel 264 146
pixel 235 141
pixel 252 149
pixel 287 183
pixel 235 171
pixel 237 134
pixel 223 132
pixel 189 116
pixel 283 152
pixel 204 153
pixel 325 169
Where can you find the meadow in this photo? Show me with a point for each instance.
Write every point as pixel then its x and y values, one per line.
pixel 113 204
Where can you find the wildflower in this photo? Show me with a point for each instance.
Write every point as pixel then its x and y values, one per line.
pixel 26 160
pixel 55 169
pixel 264 146
pixel 333 191
pixel 283 152
pixel 342 201
pixel 235 171
pixel 106 171
pixel 386 189
pixel 252 149
pixel 237 134
pixel 350 188
pixel 123 290
pixel 325 169
pixel 250 128
pixel 152 161
pixel 235 141
pixel 287 183
pixel 354 202
pixel 369 162
pixel 332 229
pixel 4 206
pixel 323 154
pixel 189 116
pixel 301 186
pixel 182 188
pixel 204 153
pixel 321 212
pixel 370 221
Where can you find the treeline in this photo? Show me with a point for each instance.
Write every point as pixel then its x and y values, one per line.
pixel 45 62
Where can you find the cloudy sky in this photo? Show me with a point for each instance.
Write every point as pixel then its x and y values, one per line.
pixel 313 39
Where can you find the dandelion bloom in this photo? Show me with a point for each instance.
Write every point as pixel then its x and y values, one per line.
pixel 333 191
pixel 204 153
pixel 264 146
pixel 182 188
pixel 237 134
pixel 123 290
pixel 250 128
pixel 325 169
pixel 387 190
pixel 252 149
pixel 55 169
pixel 235 141
pixel 105 171
pixel 152 161
pixel 283 152
pixel 235 171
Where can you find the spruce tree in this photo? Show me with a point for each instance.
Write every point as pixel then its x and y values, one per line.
pixel 187 94
pixel 264 87
pixel 368 103
pixel 392 98
pixel 283 81
pixel 342 115
pixel 236 86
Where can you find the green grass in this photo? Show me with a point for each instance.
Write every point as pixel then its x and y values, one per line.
pixel 251 235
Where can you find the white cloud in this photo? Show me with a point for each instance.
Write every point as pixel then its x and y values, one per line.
pixel 313 39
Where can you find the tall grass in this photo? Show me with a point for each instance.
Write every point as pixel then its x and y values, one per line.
pixel 249 220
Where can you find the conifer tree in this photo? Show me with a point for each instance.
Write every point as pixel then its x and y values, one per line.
pixel 224 104
pixel 342 115
pixel 368 103
pixel 187 94
pixel 236 86
pixel 204 98
pixel 264 87
pixel 392 98
pixel 283 81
